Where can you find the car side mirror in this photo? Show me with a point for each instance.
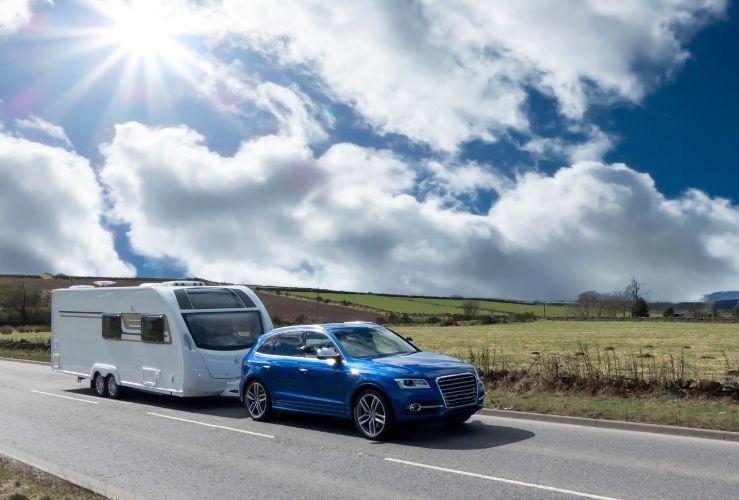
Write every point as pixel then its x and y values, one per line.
pixel 328 353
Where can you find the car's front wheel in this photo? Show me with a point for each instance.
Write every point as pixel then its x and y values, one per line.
pixel 373 415
pixel 257 401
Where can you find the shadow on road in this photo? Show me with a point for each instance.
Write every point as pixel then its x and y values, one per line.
pixel 216 406
pixel 473 435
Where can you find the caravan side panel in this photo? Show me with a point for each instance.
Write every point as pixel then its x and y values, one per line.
pixel 78 346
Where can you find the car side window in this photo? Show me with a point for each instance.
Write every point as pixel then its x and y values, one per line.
pixel 314 341
pixel 288 344
pixel 268 347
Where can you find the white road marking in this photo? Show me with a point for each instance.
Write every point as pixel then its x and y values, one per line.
pixel 500 479
pixel 65 397
pixel 212 425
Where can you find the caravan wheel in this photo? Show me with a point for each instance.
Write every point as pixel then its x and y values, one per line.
pixel 114 390
pixel 98 383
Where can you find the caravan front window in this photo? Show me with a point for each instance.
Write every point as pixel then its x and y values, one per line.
pixel 224 331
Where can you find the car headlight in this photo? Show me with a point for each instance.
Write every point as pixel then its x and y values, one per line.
pixel 412 383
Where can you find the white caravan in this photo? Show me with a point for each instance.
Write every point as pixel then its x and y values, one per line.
pixel 179 337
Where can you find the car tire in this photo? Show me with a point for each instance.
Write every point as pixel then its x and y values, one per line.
pixel 257 401
pixel 373 415
pixel 99 385
pixel 114 390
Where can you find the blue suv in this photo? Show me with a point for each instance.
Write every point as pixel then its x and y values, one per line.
pixel 361 371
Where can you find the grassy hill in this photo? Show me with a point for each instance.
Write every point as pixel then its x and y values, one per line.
pixel 400 304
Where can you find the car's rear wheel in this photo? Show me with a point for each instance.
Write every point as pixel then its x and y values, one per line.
pixel 373 415
pixel 257 401
pixel 98 383
pixel 114 390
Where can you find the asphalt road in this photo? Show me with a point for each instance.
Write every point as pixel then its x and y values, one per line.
pixel 161 447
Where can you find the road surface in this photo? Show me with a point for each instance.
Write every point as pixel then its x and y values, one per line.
pixel 149 446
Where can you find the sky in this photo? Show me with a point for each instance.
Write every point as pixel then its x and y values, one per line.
pixel 525 150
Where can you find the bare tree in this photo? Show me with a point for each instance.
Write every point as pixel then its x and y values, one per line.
pixel 470 307
pixel 633 293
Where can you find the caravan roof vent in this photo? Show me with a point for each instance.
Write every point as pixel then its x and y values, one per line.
pixel 81 286
pixel 104 283
pixel 183 283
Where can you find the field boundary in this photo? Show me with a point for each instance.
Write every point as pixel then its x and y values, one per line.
pixel 671 430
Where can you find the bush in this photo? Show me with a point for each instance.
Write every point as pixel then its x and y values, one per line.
pixel 433 320
pixel 668 312
pixel 6 329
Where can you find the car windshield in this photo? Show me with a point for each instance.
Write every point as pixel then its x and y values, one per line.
pixel 224 331
pixel 372 342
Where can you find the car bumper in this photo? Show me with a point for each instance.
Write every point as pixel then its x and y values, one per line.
pixel 429 406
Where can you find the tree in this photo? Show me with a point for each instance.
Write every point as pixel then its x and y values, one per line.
pixel 640 308
pixel 668 312
pixel 586 303
pixel 16 297
pixel 470 307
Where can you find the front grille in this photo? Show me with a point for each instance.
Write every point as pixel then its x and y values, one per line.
pixel 458 390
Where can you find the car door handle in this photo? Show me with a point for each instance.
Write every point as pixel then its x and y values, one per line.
pixel 303 370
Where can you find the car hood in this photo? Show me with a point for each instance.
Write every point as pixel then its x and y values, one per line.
pixel 428 364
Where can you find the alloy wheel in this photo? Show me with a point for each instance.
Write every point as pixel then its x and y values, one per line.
pixel 256 400
pixel 371 415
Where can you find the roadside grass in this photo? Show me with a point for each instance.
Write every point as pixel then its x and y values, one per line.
pixel 21 482
pixel 708 350
pixel 21 345
pixel 421 305
pixel 32 354
pixel 699 412
pixel 32 337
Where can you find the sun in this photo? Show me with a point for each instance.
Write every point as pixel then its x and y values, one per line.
pixel 146 51
pixel 141 28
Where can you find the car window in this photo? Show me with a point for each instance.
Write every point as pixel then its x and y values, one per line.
pixel 288 344
pixel 268 346
pixel 316 340
pixel 371 342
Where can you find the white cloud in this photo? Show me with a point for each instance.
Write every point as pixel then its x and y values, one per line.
pixel 349 219
pixel 230 88
pixel 595 145
pixel 445 72
pixel 35 123
pixel 50 208
pixel 14 14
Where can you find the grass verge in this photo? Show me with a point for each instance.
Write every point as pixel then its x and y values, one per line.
pixel 19 481
pixel 700 413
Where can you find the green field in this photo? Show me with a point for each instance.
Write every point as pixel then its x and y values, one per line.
pixel 402 304
pixel 710 349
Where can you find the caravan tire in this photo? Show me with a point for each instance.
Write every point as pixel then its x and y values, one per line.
pixel 114 390
pixel 98 383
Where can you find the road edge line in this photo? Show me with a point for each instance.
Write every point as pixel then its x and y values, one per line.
pixel 77 478
pixel 27 361
pixel 670 430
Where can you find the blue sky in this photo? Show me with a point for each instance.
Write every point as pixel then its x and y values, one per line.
pixel 530 151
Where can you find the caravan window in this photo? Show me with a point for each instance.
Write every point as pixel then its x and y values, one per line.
pixel 112 326
pixel 153 328
pixel 224 331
